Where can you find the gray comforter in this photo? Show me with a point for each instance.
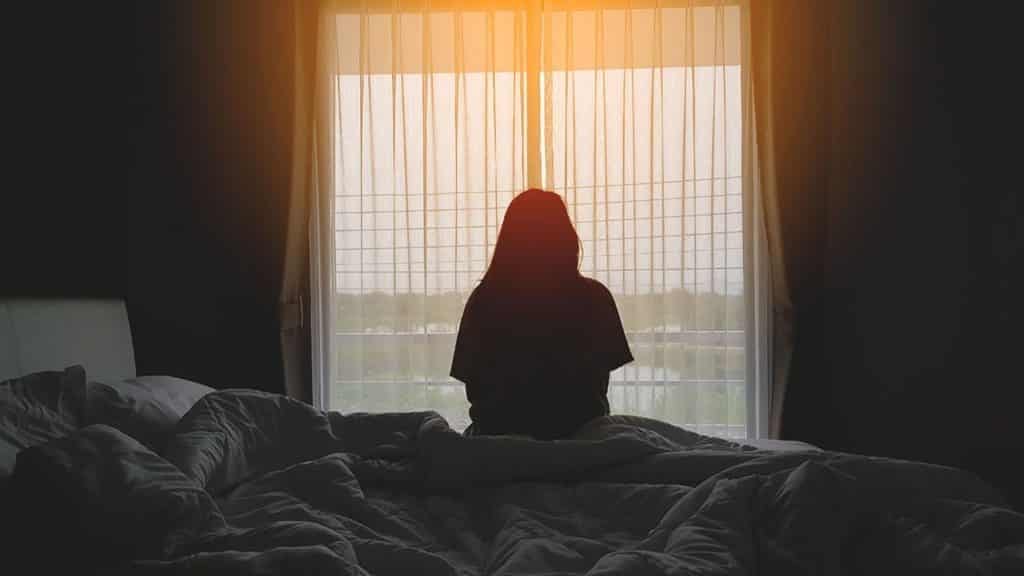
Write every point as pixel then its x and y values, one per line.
pixel 253 483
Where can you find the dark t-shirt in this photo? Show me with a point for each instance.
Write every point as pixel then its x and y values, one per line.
pixel 538 365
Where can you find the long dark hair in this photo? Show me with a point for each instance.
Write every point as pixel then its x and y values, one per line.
pixel 537 243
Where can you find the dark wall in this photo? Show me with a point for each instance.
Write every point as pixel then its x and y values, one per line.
pixel 218 111
pixel 151 163
pixel 910 344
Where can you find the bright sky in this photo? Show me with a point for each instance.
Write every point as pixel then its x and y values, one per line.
pixel 380 205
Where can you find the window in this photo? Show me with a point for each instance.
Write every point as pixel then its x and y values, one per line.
pixel 635 116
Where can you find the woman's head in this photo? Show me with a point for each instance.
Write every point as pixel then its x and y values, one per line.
pixel 537 241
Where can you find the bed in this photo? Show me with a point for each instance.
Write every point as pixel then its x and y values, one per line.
pixel 115 472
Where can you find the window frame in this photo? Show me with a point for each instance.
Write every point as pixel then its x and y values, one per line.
pixel 757 296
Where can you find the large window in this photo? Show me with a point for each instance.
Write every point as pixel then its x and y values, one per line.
pixel 635 116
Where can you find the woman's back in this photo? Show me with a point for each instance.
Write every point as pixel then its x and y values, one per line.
pixel 535 359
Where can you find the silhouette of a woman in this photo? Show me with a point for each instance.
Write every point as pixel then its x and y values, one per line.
pixel 537 339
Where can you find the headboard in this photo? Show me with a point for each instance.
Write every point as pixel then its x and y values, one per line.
pixel 37 335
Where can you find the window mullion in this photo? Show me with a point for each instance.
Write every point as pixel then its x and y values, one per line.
pixel 533 112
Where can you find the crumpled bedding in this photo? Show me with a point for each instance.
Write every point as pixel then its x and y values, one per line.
pixel 254 483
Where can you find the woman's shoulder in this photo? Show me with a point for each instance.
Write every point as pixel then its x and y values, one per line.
pixel 476 296
pixel 593 285
pixel 595 289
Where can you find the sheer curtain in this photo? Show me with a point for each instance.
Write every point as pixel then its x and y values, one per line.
pixel 434 115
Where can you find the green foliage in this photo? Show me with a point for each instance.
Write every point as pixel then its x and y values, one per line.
pixel 378 311
pixel 407 312
pixel 393 352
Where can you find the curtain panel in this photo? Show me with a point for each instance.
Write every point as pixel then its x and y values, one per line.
pixel 294 310
pixel 431 115
pixel 780 331
pixel 793 72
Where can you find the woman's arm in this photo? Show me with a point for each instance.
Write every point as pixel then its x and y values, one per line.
pixel 465 358
pixel 611 345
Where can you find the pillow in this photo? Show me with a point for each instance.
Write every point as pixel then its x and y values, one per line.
pixel 39 407
pixel 146 407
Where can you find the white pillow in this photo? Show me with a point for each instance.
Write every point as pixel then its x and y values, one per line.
pixel 145 407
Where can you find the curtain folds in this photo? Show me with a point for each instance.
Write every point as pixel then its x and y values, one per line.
pixel 295 282
pixel 432 115
pixel 780 335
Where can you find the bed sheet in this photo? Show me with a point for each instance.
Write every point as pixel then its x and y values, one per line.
pixel 253 483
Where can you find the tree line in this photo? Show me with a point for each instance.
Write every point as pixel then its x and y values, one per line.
pixel 412 312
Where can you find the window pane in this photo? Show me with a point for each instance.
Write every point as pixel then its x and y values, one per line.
pixel 642 137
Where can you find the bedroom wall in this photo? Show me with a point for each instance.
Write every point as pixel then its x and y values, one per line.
pixel 914 333
pixel 151 163
pixel 218 113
